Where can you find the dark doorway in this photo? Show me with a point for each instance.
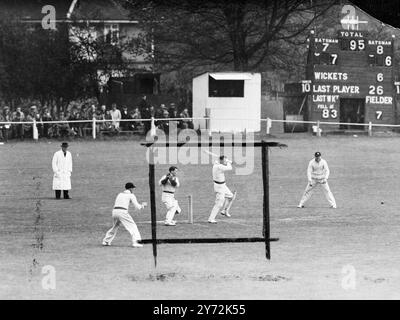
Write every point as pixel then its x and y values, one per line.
pixel 352 111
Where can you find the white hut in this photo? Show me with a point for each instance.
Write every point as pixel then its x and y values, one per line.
pixel 232 101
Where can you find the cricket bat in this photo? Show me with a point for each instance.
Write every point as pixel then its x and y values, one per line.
pixel 214 155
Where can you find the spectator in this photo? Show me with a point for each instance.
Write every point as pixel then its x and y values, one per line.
pixel 108 124
pixel 91 113
pixel 164 124
pixel 18 116
pixel 46 116
pixel 147 113
pixel 115 116
pixel 33 115
pixel 1 125
pixel 64 129
pixel 173 111
pixel 185 124
pixel 144 104
pixel 160 111
pixel 135 114
pixel 7 117
pixel 102 116
pixel 72 116
pixel 126 125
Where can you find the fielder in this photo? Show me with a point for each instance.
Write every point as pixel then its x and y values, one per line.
pixel 120 216
pixel 169 183
pixel 318 174
pixel 223 196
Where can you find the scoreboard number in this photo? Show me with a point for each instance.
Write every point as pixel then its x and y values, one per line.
pixel 397 84
pixel 325 46
pixel 388 61
pixel 379 49
pixel 378 115
pixel 306 86
pixel 333 58
pixel 326 113
pixel 379 77
pixel 378 90
pixel 357 45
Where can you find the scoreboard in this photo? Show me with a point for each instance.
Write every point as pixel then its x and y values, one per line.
pixel 350 79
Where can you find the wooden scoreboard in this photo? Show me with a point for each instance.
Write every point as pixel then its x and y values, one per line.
pixel 350 79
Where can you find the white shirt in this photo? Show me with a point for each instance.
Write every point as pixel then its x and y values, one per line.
pixel 168 186
pixel 125 198
pixel 219 169
pixel 318 170
pixel 115 115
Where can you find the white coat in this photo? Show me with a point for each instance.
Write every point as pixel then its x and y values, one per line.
pixel 62 168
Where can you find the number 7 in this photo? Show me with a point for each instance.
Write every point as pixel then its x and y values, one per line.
pixel 378 115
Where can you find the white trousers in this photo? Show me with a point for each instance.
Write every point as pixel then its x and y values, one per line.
pixel 310 190
pixel 222 192
pixel 171 204
pixel 124 218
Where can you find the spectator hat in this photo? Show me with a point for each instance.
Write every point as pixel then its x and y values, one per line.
pixel 317 154
pixel 64 144
pixel 129 185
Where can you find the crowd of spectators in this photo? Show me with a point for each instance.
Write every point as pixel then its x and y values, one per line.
pixel 86 112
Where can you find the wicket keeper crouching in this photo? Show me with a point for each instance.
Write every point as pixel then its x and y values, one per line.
pixel 169 183
pixel 223 196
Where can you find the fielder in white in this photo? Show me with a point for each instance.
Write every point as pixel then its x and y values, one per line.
pixel 121 215
pixel 169 183
pixel 62 169
pixel 317 174
pixel 223 196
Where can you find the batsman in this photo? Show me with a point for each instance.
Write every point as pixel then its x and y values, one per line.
pixel 223 196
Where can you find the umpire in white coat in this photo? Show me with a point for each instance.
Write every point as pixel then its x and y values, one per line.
pixel 62 169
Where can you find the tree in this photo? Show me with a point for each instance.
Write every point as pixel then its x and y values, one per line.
pixel 243 35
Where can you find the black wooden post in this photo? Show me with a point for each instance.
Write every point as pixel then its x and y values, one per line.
pixel 265 178
pixel 153 204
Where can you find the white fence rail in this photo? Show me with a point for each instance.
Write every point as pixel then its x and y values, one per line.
pixel 316 125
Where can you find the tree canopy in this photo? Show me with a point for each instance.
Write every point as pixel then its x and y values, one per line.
pixel 240 35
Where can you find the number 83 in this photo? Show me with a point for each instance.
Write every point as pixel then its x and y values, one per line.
pixel 326 113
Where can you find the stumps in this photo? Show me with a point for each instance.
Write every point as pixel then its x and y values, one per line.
pixel 190 209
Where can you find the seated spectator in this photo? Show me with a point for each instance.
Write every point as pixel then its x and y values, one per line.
pixel 102 116
pixel 79 116
pixel 72 116
pixel 125 125
pixel 108 124
pixel 7 117
pixel 185 124
pixel 135 114
pixel 1 125
pixel 18 129
pixel 46 116
pixel 33 115
pixel 173 111
pixel 164 124
pixel 160 111
pixel 115 116
pixel 64 128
